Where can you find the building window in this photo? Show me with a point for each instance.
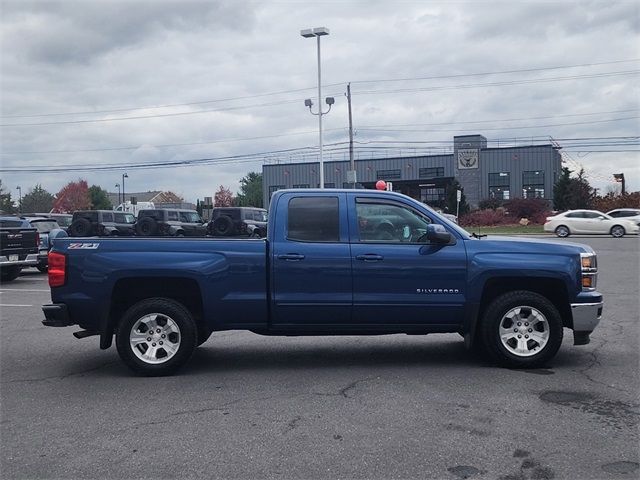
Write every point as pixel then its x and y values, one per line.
pixel 499 185
pixel 432 196
pixel 431 172
pixel 389 174
pixel 301 185
pixel 533 184
pixel 275 188
pixel 313 219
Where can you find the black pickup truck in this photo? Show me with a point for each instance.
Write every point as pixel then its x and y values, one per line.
pixel 18 247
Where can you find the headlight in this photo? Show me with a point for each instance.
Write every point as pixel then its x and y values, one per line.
pixel 589 266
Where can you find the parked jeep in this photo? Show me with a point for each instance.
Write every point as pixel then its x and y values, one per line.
pixel 170 222
pixel 102 223
pixel 238 221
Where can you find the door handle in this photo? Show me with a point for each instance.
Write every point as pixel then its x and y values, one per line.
pixel 370 257
pixel 291 257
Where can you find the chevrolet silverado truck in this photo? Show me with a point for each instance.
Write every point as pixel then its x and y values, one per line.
pixel 335 262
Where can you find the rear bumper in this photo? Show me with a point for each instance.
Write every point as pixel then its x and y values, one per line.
pixel 30 260
pixel 56 315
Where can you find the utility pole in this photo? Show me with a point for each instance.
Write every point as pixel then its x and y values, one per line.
pixel 351 175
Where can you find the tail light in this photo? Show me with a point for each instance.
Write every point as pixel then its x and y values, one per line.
pixel 57 269
pixel 37 239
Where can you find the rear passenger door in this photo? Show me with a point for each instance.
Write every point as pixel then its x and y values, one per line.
pixel 311 262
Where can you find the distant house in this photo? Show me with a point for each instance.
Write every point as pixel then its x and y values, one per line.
pixel 159 199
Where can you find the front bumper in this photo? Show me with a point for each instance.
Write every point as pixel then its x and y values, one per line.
pixel 586 317
pixel 56 315
pixel 30 260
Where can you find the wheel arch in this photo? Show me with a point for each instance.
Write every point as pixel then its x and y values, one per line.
pixel 129 291
pixel 553 289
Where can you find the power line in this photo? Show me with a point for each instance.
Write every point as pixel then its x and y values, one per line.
pixel 264 137
pixel 284 92
pixel 498 84
pixel 369 92
pixel 525 70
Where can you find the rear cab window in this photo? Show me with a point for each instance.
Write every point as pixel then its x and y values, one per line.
pixel 313 219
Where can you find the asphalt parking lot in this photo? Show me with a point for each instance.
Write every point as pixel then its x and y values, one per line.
pixel 385 407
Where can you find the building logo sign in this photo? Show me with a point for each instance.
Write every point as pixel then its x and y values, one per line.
pixel 467 158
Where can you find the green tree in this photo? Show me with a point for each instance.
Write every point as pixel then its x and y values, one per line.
pixel 37 200
pixel 570 193
pixel 250 194
pixel 451 199
pixel 99 198
pixel 6 204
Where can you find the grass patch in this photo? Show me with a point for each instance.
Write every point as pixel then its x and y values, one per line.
pixel 507 229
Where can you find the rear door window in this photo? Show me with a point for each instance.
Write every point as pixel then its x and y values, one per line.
pixel 107 217
pixel 172 216
pixel 313 219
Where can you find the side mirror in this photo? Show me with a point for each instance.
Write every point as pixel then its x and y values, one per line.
pixel 438 234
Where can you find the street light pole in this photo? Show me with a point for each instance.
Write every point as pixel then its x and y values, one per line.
pixel 19 188
pixel 124 198
pixel 310 33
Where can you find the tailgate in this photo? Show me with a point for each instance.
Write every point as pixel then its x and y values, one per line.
pixel 18 241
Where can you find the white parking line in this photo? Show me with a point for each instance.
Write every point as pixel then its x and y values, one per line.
pixel 13 305
pixel 22 290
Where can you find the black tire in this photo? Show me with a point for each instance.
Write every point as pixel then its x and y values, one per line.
pixel 43 268
pixel 147 227
pixel 223 226
pixel 533 306
pixel 164 308
pixel 563 231
pixel 617 231
pixel 80 228
pixel 9 274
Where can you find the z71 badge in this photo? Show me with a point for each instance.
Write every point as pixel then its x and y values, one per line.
pixel 83 246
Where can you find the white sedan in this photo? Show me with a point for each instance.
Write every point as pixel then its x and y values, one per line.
pixel 626 213
pixel 589 222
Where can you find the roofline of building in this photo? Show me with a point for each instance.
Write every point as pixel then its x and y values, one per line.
pixel 546 145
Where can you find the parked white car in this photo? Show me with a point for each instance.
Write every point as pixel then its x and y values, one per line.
pixel 589 222
pixel 626 213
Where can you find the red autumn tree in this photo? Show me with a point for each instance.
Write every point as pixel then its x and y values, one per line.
pixel 223 197
pixel 73 196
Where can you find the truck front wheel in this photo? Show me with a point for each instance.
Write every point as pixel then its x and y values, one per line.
pixel 156 337
pixel 521 329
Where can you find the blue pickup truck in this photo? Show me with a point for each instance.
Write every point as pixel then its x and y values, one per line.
pixel 335 262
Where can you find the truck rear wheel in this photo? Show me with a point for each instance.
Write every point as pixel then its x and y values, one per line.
pixel 156 337
pixel 521 329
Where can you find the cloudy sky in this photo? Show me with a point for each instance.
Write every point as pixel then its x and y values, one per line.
pixel 187 96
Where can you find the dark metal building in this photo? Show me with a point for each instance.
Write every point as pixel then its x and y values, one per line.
pixel 502 173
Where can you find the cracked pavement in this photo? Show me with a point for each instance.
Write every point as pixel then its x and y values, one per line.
pixel 383 407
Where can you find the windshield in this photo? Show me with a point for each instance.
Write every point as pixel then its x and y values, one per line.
pixel 190 217
pixel 45 226
pixel 261 215
pixel 64 221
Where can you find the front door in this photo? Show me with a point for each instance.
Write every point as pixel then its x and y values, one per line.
pixel 311 262
pixel 398 277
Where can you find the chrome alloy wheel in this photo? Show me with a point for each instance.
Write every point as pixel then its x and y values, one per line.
pixel 155 338
pixel 524 331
